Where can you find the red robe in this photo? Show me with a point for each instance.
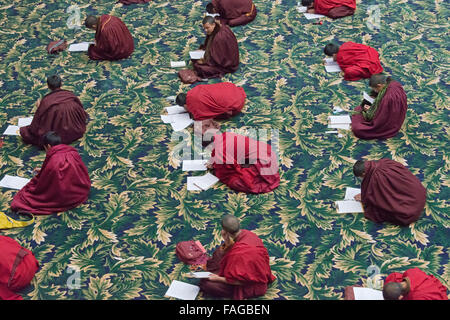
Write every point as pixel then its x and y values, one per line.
pixel 388 118
pixel 247 261
pixel 113 40
pixel 60 111
pixel 62 184
pixel 391 193
pixel 235 12
pixel 335 8
pixel 221 56
pixel 358 61
pixel 219 100
pixel 423 286
pixel 231 151
pixel 133 1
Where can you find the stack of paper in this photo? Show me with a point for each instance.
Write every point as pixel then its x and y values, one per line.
pixel 310 16
pixel 177 64
pixel 367 294
pixel 201 183
pixel 368 98
pixel 182 290
pixel 12 182
pixel 23 122
pixel 194 165
pixel 349 204
pixel 339 122
pixel 331 65
pixel 79 47
pixel 11 131
pixel 197 54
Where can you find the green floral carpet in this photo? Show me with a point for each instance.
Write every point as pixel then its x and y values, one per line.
pixel 123 239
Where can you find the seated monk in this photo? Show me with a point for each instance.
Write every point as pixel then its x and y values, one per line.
pixel 240 266
pixel 413 284
pixel 389 192
pixel 213 101
pixel 244 164
pixel 60 111
pixel 62 184
pixel 357 61
pixel 113 40
pixel 221 51
pixel 384 118
pixel 233 12
pixel 331 8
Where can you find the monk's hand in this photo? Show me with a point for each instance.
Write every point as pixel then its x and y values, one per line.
pixel 209 165
pixel 310 10
pixel 357 197
pixel 366 107
pixel 201 61
pixel 215 277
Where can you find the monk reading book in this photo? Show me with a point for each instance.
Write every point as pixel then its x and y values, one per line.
pixel 233 12
pixel 413 284
pixel 331 8
pixel 209 101
pixel 60 111
pixel 357 61
pixel 389 192
pixel 62 183
pixel 384 117
pixel 113 40
pixel 221 51
pixel 240 266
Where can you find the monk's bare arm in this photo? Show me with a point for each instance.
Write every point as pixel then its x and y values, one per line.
pixel 216 278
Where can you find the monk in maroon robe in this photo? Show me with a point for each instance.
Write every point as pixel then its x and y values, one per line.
pixel 221 51
pixel 113 40
pixel 213 101
pixel 389 192
pixel 357 61
pixel 62 184
pixel 233 12
pixel 133 1
pixel 383 118
pixel 244 164
pixel 240 266
pixel 331 8
pixel 413 284
pixel 60 111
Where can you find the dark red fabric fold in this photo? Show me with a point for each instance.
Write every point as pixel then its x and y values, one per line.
pixel 113 40
pixel 62 184
pixel 235 12
pixel 219 100
pixel 60 111
pixel 388 118
pixel 358 61
pixel 325 6
pixel 391 193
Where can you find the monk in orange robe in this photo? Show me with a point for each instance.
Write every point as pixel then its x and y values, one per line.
pixel 331 8
pixel 113 40
pixel 413 284
pixel 233 12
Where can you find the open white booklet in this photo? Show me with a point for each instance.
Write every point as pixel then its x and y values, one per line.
pixel 349 204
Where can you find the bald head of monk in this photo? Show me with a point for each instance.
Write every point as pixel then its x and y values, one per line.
pixel 378 81
pixel 358 169
pixel 50 139
pixel 54 82
pixel 209 24
pixel 230 227
pixel 91 22
pixel 307 3
pixel 331 50
pixel 396 290
pixel 181 99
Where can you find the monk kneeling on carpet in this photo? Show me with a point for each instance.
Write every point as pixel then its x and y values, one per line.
pixel 233 12
pixel 331 8
pixel 240 266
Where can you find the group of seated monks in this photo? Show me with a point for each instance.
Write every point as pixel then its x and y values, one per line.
pixel 241 265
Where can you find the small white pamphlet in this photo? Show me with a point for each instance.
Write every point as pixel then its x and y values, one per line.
pixel 349 206
pixel 171 98
pixel 182 290
pixel 179 125
pixel 23 122
pixel 350 193
pixel 301 9
pixel 344 126
pixel 191 184
pixel 201 275
pixel 368 98
pixel 12 182
pixel 177 64
pixel 11 131
pixel 310 16
pixel 175 109
pixel 194 165
pixel 212 15
pixel 367 294
pixel 172 118
pixel 339 119
pixel 197 54
pixel 331 65
pixel 207 181
pixel 78 47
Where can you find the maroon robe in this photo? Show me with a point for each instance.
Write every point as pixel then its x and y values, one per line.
pixel 60 111
pixel 113 40
pixel 218 100
pixel 388 118
pixel 335 8
pixel 247 261
pixel 235 12
pixel 391 193
pixel 221 54
pixel 244 164
pixel 358 61
pixel 62 184
pixel 133 1
pixel 423 286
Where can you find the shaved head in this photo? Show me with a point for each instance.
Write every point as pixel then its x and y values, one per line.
pixel 358 168
pixel 331 49
pixel 208 20
pixel 90 22
pixel 230 224
pixel 392 291
pixel 376 79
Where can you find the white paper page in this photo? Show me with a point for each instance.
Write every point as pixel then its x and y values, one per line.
pixel 350 193
pixel 329 61
pixel 179 125
pixel 212 15
pixel 368 98
pixel 182 290
pixel 207 181
pixel 310 16
pixel 301 9
pixel 333 68
pixel 13 182
pixel 367 294
pixel 349 206
pixel 172 118
pixel 175 109
pixel 78 47
pixel 194 165
pixel 176 64
pixel 344 126
pixel 23 122
pixel 340 119
pixel 201 275
pixel 197 54
pixel 11 131
pixel 171 98
pixel 191 184
pixel 166 118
